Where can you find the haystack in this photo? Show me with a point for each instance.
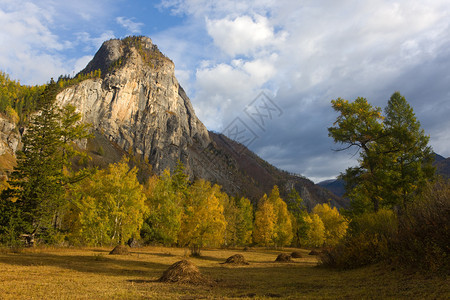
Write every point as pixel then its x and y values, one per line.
pixel 120 250
pixel 237 259
pixel 283 257
pixel 296 254
pixel 314 252
pixel 184 272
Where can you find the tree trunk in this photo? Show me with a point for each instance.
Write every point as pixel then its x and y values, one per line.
pixel 195 250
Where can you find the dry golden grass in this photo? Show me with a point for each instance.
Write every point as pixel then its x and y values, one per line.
pixel 90 273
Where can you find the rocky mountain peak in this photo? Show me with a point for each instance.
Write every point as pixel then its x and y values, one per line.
pixel 134 50
pixel 138 104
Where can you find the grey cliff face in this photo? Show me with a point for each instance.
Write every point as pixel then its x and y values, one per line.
pixel 9 137
pixel 138 104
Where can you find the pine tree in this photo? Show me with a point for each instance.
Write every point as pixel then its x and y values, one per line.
pixel 165 200
pixel 359 126
pixel 298 212
pixel 44 165
pixel 409 157
pixel 244 226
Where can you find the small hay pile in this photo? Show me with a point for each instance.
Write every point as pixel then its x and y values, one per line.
pixel 237 259
pixel 184 272
pixel 314 252
pixel 283 257
pixel 120 250
pixel 296 254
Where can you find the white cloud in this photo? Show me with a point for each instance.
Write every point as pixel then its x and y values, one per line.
pixel 33 47
pixel 93 43
pixel 242 35
pixel 218 9
pixel 129 24
pixel 29 48
pixel 225 89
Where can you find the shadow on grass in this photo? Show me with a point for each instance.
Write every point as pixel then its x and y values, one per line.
pixel 142 281
pixel 153 253
pixel 210 258
pixel 100 264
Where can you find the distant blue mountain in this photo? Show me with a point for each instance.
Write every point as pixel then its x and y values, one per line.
pixel 336 186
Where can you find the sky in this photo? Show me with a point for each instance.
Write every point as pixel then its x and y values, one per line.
pixel 263 72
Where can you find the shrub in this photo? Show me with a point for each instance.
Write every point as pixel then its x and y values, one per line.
pixel 423 231
pixel 356 251
pixel 367 242
pixel 417 238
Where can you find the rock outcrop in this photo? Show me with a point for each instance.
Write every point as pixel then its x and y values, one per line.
pixel 138 103
pixel 9 136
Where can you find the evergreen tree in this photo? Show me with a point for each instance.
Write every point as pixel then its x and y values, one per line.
pixel 43 165
pixel 298 212
pixel 409 156
pixel 165 200
pixel 244 225
pixel 38 180
pixel 180 180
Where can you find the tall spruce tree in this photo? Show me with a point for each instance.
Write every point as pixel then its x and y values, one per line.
pixel 43 165
pixel 409 158
pixel 298 212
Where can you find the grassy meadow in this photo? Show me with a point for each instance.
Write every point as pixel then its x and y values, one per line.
pixel 91 273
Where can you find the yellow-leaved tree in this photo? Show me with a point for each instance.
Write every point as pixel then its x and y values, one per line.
pixel 283 225
pixel 231 214
pixel 273 222
pixel 107 208
pixel 264 223
pixel 202 223
pixel 335 224
pixel 315 234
